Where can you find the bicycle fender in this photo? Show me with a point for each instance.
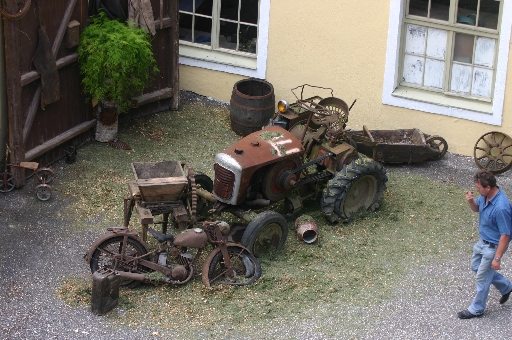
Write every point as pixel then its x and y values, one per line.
pixel 113 232
pixel 209 258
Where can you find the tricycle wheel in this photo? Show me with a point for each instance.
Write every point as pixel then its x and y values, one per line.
pixel 43 192
pixel 361 184
pixel 439 144
pixel 7 183
pixel 44 175
pixel 268 230
pixel 492 152
pixel 107 256
pixel 246 268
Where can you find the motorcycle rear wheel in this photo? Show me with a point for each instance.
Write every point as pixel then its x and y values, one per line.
pixel 246 268
pixel 104 257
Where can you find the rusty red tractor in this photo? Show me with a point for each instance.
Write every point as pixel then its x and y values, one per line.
pixel 303 153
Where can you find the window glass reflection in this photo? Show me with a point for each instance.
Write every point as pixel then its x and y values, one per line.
pixel 418 7
pixel 440 9
pixel 488 16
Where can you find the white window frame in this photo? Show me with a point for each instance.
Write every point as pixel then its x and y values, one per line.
pixel 489 113
pixel 257 70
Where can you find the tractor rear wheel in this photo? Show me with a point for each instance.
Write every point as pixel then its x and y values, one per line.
pixel 360 184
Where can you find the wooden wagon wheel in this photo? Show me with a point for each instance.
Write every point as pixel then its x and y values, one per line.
pixel 493 152
pixel 439 144
pixel 22 10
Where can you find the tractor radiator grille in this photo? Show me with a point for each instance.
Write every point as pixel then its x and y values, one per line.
pixel 224 181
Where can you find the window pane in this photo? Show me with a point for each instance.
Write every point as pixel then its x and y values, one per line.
pixel 204 7
pixel 200 6
pixel 186 27
pixel 484 51
pixel 228 36
pixel 482 82
pixel 488 16
pixel 463 50
pixel 248 38
pixel 418 7
pixel 440 9
pixel 434 70
pixel 436 43
pixel 415 39
pixel 229 9
pixel 203 30
pixel 413 69
pixel 466 12
pixel 461 78
pixel 249 11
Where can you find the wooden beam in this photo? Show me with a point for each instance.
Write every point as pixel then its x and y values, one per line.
pixel 165 22
pixel 63 27
pixel 32 109
pixel 56 141
pixel 154 96
pixel 29 77
pixel 12 45
pixel 174 40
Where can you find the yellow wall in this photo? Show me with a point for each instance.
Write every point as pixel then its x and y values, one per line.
pixel 341 44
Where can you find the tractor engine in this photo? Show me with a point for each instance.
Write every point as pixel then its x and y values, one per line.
pixel 257 166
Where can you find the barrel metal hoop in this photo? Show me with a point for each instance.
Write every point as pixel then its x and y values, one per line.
pixel 232 102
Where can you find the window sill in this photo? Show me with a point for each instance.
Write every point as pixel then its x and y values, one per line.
pixel 217 56
pixel 442 100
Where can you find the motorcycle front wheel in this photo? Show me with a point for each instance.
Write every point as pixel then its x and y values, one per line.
pixel 246 268
pixel 104 256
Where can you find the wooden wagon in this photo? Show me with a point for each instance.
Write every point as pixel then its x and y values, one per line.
pixel 398 146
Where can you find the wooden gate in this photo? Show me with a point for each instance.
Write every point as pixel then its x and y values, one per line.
pixel 41 129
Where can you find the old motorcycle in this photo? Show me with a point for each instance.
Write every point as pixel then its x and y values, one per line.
pixel 176 257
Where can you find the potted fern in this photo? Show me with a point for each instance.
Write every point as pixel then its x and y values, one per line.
pixel 116 62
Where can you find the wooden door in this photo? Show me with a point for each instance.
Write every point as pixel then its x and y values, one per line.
pixel 40 130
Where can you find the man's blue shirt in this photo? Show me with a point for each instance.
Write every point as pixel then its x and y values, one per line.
pixel 495 217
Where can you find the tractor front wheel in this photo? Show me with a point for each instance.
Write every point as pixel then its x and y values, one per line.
pixel 360 184
pixel 268 230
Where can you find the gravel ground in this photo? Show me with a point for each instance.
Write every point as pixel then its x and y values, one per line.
pixel 38 251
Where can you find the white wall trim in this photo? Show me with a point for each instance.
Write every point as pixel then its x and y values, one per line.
pixel 261 63
pixel 391 69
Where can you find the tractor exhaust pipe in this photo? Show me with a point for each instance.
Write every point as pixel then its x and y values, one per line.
pixel 257 203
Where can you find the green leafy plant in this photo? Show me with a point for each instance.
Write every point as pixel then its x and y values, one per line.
pixel 116 61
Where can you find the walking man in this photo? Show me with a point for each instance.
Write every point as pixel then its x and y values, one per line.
pixel 494 228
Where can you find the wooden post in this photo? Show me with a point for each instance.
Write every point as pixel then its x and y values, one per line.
pixel 175 45
pixel 12 42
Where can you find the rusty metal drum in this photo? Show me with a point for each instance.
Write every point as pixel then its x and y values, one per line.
pixel 252 105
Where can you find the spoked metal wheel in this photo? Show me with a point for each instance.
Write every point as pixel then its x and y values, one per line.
pixel 439 144
pixel 43 192
pixel 246 268
pixel 493 151
pixel 108 255
pixel 6 183
pixel 45 175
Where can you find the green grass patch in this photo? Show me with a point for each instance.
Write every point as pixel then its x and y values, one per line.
pixel 357 263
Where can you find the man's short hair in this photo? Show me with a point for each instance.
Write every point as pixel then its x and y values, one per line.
pixel 485 178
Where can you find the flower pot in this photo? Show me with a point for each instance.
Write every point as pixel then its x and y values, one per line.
pixel 106 123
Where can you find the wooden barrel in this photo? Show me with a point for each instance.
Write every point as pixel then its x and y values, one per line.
pixel 252 105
